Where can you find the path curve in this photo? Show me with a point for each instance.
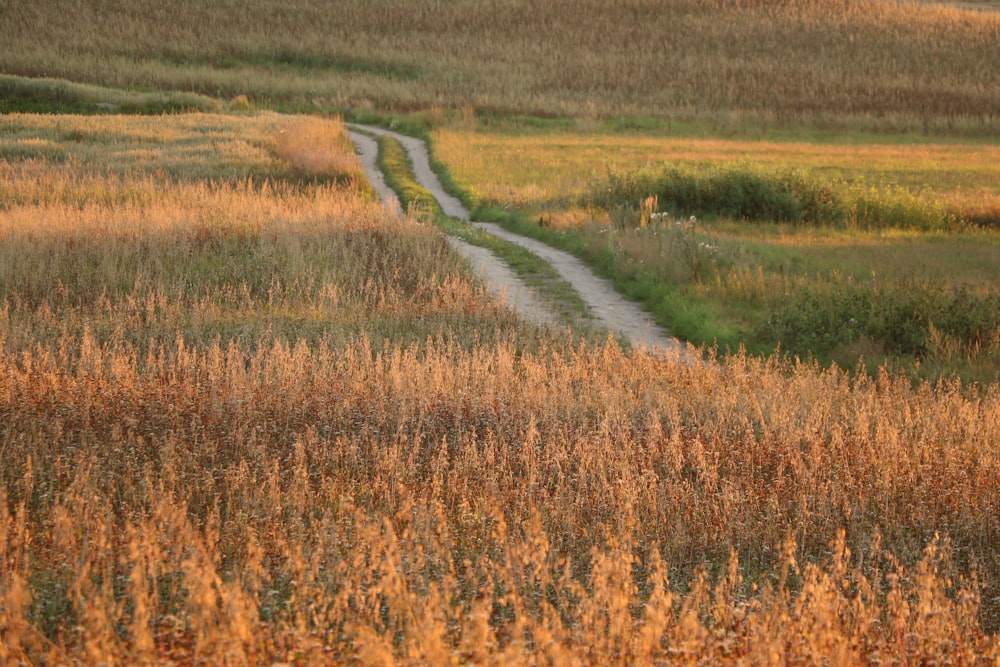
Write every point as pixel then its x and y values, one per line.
pixel 607 308
pixel 499 279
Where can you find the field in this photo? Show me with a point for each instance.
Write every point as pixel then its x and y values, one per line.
pixel 267 421
pixel 247 416
pixel 500 166
pixel 911 234
pixel 877 64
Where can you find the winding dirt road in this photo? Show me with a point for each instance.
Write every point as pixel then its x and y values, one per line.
pixel 607 308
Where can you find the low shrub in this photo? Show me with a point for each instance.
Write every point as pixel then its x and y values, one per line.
pixel 894 207
pixel 901 319
pixel 746 191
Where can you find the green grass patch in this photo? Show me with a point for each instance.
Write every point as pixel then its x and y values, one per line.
pixel 751 192
pixel 815 300
pixel 20 94
pixel 398 171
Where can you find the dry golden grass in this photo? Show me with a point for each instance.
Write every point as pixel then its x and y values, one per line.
pixel 874 63
pixel 316 147
pixel 257 422
pixel 222 504
pixel 129 250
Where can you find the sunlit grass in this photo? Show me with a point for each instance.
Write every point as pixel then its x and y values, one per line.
pixel 187 147
pixel 532 168
pixel 262 420
pixel 202 227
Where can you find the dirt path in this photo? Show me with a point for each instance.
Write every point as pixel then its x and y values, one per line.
pixel 607 308
pixel 495 274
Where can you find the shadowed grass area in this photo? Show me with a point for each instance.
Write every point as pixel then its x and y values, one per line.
pixel 46 95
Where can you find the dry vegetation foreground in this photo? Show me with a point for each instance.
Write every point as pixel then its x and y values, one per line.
pixel 257 419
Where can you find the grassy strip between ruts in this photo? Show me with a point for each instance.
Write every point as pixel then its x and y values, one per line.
pixel 535 272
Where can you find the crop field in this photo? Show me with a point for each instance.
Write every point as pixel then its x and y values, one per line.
pixel 523 168
pixel 877 64
pixel 248 416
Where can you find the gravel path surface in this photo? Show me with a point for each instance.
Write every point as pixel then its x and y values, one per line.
pixel 607 307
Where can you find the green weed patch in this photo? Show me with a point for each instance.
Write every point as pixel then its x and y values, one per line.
pixel 395 164
pixel 750 192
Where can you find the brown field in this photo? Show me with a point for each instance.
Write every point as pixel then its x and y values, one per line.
pixel 875 64
pixel 252 420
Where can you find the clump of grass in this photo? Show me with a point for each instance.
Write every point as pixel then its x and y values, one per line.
pixel 319 148
pixel 904 319
pixel 894 207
